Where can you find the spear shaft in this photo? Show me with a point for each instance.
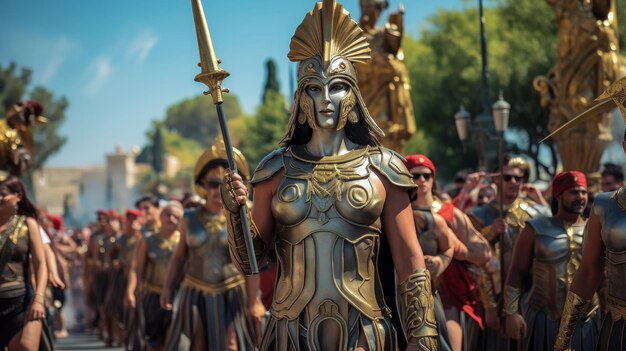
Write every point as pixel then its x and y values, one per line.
pixel 212 75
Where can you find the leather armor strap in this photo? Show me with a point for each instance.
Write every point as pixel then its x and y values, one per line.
pixel 417 310
pixel 573 311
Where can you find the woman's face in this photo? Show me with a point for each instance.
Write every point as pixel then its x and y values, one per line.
pixel 327 101
pixel 211 183
pixel 8 199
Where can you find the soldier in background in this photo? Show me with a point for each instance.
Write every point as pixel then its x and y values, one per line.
pixel 549 250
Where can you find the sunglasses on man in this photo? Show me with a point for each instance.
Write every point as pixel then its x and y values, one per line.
pixel 508 178
pixel 426 176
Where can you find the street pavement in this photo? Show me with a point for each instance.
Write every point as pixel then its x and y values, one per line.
pixel 82 341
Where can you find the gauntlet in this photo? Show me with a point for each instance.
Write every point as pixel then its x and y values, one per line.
pixel 236 240
pixel 573 310
pixel 417 310
pixel 511 300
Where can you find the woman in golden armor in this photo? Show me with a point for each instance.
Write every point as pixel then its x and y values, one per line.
pixel 21 302
pixel 217 305
pixel 325 201
pixel 150 268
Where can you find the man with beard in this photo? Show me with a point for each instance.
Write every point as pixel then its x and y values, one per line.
pixel 549 249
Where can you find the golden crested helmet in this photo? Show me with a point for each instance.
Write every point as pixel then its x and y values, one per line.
pixel 216 156
pixel 327 44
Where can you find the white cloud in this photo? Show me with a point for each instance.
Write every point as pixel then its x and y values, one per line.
pixel 140 46
pixel 98 72
pixel 56 56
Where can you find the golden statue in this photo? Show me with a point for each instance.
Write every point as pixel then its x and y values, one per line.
pixel 587 64
pixel 384 80
pixel 16 137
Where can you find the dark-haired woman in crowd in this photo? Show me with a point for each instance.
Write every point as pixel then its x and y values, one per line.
pixel 21 304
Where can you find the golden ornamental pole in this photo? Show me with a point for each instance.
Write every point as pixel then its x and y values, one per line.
pixel 212 75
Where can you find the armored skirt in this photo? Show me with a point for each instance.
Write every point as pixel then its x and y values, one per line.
pixel 213 315
pixel 542 332
pixel 156 320
pixel 612 335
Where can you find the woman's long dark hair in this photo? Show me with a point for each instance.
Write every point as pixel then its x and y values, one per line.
pixel 24 207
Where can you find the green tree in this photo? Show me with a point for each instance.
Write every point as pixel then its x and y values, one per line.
pixel 265 130
pixel 186 151
pixel 157 150
pixel 196 118
pixel 445 68
pixel 47 140
pixel 271 83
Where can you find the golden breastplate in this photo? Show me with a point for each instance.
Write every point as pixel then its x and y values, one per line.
pixel 207 242
pixel 557 255
pixel 611 209
pixel 328 236
pixel 159 251
pixel 17 249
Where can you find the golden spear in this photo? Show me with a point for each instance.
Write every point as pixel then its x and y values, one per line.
pixel 212 75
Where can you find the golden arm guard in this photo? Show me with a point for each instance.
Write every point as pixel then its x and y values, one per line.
pixel 236 239
pixel 573 310
pixel 417 310
pixel 237 242
pixel 511 300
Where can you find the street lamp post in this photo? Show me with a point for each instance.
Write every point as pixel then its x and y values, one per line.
pixel 500 110
pixel 462 121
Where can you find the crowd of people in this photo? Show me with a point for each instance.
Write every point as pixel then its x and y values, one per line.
pixel 359 248
pixel 125 274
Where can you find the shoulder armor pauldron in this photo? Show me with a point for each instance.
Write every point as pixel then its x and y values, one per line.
pixel 547 226
pixel 269 165
pixel 519 213
pixel 391 165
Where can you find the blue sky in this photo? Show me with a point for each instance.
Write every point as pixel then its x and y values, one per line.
pixel 121 63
